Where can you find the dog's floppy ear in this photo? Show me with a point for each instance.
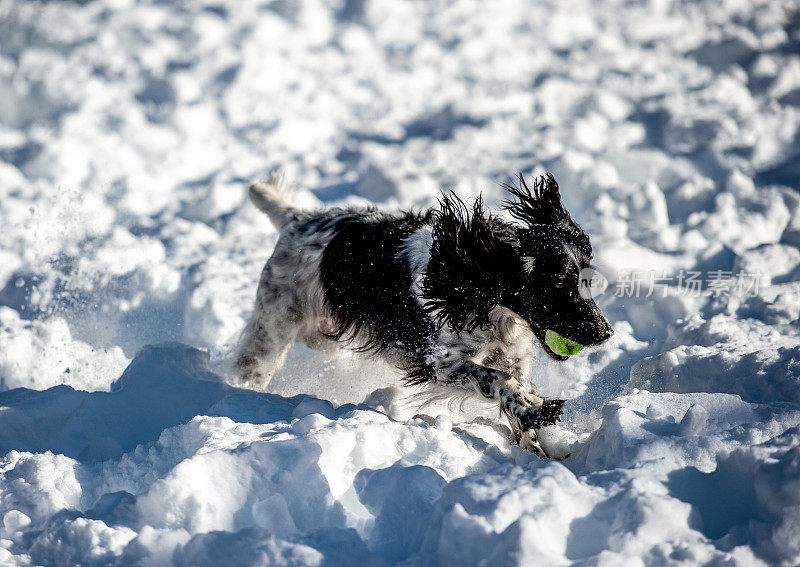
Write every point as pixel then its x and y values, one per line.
pixel 473 258
pixel 540 205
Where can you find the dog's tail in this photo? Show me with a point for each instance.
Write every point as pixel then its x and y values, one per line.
pixel 273 197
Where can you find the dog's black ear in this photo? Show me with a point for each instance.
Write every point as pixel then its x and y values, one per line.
pixel 474 258
pixel 539 205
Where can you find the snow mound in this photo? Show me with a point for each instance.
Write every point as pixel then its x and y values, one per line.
pixel 174 465
pixel 129 259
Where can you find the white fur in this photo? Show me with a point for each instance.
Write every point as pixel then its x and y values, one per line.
pixel 273 197
pixel 417 252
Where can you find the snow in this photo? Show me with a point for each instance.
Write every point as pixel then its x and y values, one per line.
pixel 128 133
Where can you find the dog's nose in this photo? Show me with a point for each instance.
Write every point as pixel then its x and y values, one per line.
pixel 609 332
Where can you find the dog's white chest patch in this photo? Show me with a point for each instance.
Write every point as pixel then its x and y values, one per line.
pixel 507 344
pixel 416 250
pixel 511 343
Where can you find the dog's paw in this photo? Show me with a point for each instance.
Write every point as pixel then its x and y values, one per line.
pixel 249 374
pixel 531 415
pixel 551 411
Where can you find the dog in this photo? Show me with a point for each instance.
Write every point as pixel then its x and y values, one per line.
pixel 452 296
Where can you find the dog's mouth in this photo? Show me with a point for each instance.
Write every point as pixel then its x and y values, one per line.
pixel 557 347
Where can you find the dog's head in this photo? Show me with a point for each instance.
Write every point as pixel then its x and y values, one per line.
pixel 556 254
pixel 533 267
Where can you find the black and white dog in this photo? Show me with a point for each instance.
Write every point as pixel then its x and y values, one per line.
pixel 451 296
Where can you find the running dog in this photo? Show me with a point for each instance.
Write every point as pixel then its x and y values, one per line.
pixel 453 296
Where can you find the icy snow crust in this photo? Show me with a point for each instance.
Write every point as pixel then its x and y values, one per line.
pixel 127 135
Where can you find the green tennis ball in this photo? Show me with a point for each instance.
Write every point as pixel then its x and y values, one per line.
pixel 560 345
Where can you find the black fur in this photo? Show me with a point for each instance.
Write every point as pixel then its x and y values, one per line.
pixel 542 205
pixel 477 261
pixel 367 286
pixel 540 210
pixel 474 263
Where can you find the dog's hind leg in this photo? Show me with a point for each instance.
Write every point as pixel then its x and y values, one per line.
pixel 272 330
pixel 262 351
pixel 526 412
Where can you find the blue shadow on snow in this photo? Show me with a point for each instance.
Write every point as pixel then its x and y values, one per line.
pixel 163 386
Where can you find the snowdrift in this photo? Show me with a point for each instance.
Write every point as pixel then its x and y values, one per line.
pixel 129 258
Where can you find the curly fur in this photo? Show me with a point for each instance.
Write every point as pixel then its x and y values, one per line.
pixel 474 258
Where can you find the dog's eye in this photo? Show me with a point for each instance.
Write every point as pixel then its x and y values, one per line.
pixel 560 285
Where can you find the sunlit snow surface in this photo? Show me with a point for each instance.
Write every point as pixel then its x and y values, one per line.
pixel 128 132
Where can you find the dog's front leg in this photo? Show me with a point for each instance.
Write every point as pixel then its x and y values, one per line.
pixel 526 412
